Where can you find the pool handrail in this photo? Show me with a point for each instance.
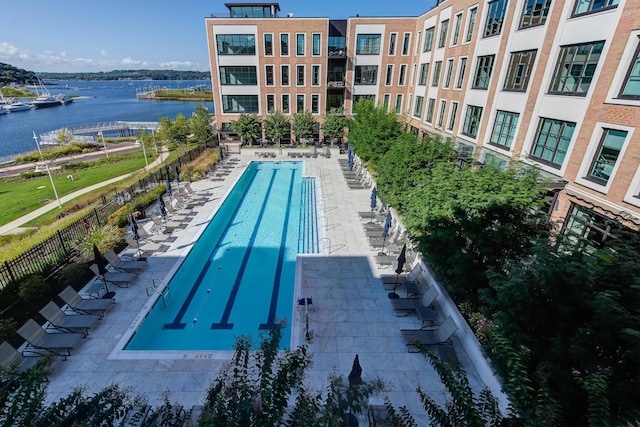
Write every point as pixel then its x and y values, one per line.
pixel 162 290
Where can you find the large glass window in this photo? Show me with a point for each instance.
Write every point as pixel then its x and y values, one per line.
pixel 315 41
pixel 472 121
pixel 607 155
pixel 269 75
pixel 402 75
pixel 417 111
pixel 257 11
pixel 448 73
pixel 461 71
pixel 483 72
pixel 398 107
pixel 271 102
pixel 268 44
pixel 299 103
pixel 389 77
pixel 456 29
pixel 452 116
pixel 435 76
pixel 392 43
pixel 495 17
pixel 519 71
pixel 284 75
pixel 245 76
pixel 299 75
pixel 366 75
pixel 444 30
pixel 240 103
pixel 534 12
pixel 472 22
pixel 315 75
pixel 285 104
pixel 428 39
pixel 405 43
pixel 586 6
pixel 284 44
pixel 315 104
pixel 575 68
pixel 631 86
pixel 552 141
pixel 424 72
pixel 443 107
pixel 431 106
pixel 368 44
pixel 504 129
pixel 337 45
pixel 236 44
pixel 300 44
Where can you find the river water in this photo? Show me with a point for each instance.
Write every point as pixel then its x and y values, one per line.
pixel 94 102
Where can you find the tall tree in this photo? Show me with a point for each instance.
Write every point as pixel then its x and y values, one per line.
pixel 334 124
pixel 248 126
pixel 372 130
pixel 303 125
pixel 201 125
pixel 277 125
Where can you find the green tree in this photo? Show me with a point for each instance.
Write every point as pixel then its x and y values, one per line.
pixel 334 124
pixel 372 130
pixel 64 137
pixel 201 125
pixel 176 131
pixel 248 126
pixel 303 125
pixel 277 125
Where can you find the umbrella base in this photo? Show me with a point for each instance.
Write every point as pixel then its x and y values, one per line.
pixel 393 295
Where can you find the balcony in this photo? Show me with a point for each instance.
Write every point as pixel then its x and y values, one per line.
pixel 337 52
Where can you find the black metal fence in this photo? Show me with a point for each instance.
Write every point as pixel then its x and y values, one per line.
pixel 48 256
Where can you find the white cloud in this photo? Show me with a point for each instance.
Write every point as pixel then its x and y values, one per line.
pixel 104 53
pixel 178 65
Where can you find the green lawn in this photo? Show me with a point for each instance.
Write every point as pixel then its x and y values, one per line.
pixel 20 198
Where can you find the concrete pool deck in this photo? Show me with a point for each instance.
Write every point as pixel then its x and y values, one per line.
pixel 351 313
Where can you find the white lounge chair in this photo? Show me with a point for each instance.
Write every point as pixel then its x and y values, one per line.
pixel 427 337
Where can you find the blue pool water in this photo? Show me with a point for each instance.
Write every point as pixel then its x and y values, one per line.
pixel 238 278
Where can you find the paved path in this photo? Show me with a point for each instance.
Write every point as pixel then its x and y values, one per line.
pixel 15 226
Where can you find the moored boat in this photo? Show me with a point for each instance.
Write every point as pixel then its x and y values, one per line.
pixel 16 106
pixel 45 101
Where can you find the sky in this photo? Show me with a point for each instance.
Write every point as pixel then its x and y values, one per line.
pixel 92 35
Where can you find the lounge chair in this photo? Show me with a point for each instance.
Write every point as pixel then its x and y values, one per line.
pixel 155 238
pixel 81 305
pixel 175 210
pixel 68 323
pixel 192 191
pixel 59 344
pixel 147 248
pixel 405 306
pixel 166 225
pixel 427 337
pixel 117 278
pixel 129 266
pixel 12 358
pixel 192 196
pixel 179 216
pixel 183 202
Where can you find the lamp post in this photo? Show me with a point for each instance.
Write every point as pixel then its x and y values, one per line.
pixel 46 164
pixel 144 153
pixel 103 144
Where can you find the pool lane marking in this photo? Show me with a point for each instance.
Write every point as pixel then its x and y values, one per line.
pixel 177 321
pixel 283 242
pixel 224 320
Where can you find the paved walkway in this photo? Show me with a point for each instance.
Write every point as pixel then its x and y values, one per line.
pixel 15 226
pixel 350 315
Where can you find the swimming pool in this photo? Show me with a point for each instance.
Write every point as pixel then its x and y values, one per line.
pixel 238 277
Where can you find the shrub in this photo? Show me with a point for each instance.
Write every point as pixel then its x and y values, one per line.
pixel 33 288
pixel 8 327
pixel 120 217
pixel 105 238
pixel 74 275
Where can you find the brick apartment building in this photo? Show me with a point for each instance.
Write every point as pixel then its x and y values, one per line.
pixel 552 83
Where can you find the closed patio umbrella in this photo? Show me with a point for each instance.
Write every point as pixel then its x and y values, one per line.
pixel 374 202
pixel 168 184
pixel 385 229
pixel 177 175
pixel 161 206
pixel 134 232
pixel 100 260
pixel 355 376
pixel 220 152
pixel 402 258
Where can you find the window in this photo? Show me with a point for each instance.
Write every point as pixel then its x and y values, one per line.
pixel 257 11
pixel 607 155
pixel 268 44
pixel 271 103
pixel 246 76
pixel 443 107
pixel 300 44
pixel 456 29
pixel 428 39
pixel 285 104
pixel 392 44
pixel 385 101
pixel 444 30
pixel 424 72
pixel 552 141
pixel 402 75
pixel 575 68
pixel 315 104
pixel 366 75
pixel 398 108
pixel 299 75
pixel 284 75
pixel 417 111
pixel 405 44
pixel 357 98
pixel 299 103
pixel 435 77
pixel 431 106
pixel 472 121
pixel 240 103
pixel 586 6
pixel 519 71
pixel 448 73
pixel 413 74
pixel 284 44
pixel 461 71
pixel 631 86
pixel 337 45
pixel 368 44
pixel 418 39
pixel 483 72
pixel 495 17
pixel 236 44
pixel 269 75
pixel 472 22
pixel 315 75
pixel 587 229
pixel 504 129
pixel 452 116
pixel 388 78
pixel 315 44
pixel 534 13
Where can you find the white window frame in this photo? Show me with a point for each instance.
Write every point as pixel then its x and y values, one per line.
pixel 395 45
pixel 264 45
pixel 404 80
pixel 266 102
pixel 319 104
pixel 281 74
pixel 288 43
pixel 320 53
pixel 388 77
pixel 275 78
pixel 319 74
pixel 304 44
pixel 304 75
pixel 404 36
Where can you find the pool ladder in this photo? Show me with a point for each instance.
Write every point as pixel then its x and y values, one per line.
pixel 161 288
